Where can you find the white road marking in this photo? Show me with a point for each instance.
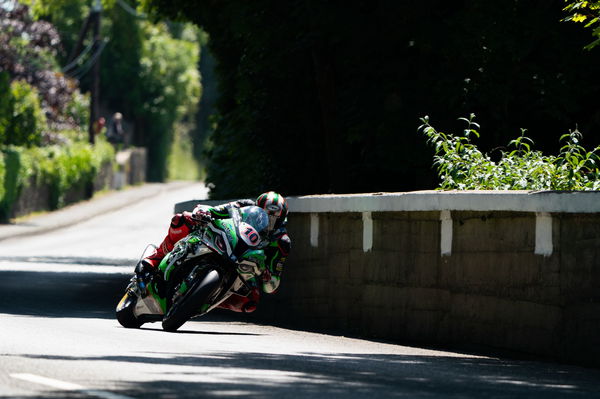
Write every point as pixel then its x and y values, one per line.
pixel 66 386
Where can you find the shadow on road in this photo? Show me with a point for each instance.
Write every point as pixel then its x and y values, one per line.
pixel 210 317
pixel 78 294
pixel 66 294
pixel 221 373
pixel 234 374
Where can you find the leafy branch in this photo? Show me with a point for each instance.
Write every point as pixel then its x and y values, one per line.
pixel 462 166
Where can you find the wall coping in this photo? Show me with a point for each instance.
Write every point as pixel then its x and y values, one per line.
pixel 431 200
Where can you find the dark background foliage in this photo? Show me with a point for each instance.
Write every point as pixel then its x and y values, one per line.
pixel 326 96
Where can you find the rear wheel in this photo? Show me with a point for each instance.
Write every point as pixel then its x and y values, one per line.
pixel 183 309
pixel 125 314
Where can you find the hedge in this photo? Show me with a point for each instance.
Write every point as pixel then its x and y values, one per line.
pixel 61 168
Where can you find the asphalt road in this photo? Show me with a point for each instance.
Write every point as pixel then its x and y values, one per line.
pixel 59 338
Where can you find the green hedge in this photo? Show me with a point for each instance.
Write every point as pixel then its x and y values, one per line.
pixel 62 168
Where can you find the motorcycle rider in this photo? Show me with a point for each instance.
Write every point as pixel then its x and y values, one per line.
pixel 277 244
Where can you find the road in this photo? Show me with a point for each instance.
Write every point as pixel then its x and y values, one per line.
pixel 59 338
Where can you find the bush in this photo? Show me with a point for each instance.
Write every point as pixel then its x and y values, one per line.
pixel 21 118
pixel 461 165
pixel 28 120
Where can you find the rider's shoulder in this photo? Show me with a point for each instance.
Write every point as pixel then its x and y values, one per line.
pixel 243 202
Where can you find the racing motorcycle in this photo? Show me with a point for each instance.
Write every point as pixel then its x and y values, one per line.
pixel 202 271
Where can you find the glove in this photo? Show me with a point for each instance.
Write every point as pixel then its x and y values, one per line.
pixel 201 215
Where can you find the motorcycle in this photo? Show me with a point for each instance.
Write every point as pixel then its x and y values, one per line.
pixel 203 270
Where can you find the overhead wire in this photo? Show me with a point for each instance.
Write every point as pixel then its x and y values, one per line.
pixel 131 10
pixel 73 63
pixel 83 69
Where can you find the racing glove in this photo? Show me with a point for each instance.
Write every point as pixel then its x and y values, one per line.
pixel 201 215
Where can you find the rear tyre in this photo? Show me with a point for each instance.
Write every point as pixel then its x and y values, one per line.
pixel 183 309
pixel 125 314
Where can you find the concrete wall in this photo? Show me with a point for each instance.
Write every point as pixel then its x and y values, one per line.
pixel 510 270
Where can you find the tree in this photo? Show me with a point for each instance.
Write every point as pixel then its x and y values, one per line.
pixel 149 71
pixel 325 97
pixel 588 13
pixel 28 50
pixel 171 90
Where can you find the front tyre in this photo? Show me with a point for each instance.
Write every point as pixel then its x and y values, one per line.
pixel 125 308
pixel 187 306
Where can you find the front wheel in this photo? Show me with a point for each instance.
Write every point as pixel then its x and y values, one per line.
pixel 125 314
pixel 183 309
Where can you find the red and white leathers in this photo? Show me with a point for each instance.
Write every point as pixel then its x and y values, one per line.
pixel 276 251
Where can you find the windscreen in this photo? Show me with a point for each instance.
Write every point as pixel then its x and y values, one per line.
pixel 256 217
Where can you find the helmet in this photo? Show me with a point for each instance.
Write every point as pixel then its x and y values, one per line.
pixel 275 206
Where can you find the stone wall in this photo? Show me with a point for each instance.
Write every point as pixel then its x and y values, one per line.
pixel 517 271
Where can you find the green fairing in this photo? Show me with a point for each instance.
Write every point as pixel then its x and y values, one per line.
pixel 161 301
pixel 162 266
pixel 256 255
pixel 229 228
pixel 164 263
pixel 219 214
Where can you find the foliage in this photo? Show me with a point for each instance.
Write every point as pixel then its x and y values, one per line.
pixel 588 13
pixel 181 163
pixel 62 168
pixel 6 105
pixel 28 50
pixel 148 70
pixel 171 83
pixel 462 166
pixel 24 120
pixel 317 97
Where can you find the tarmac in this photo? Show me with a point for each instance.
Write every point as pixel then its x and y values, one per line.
pixel 78 212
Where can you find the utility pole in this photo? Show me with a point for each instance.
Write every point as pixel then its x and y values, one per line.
pixel 95 76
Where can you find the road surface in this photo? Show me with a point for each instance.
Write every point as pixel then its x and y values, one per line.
pixel 59 338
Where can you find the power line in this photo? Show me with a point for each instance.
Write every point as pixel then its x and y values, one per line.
pixel 131 10
pixel 82 70
pixel 74 63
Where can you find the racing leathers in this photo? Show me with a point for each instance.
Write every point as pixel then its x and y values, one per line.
pixel 276 248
